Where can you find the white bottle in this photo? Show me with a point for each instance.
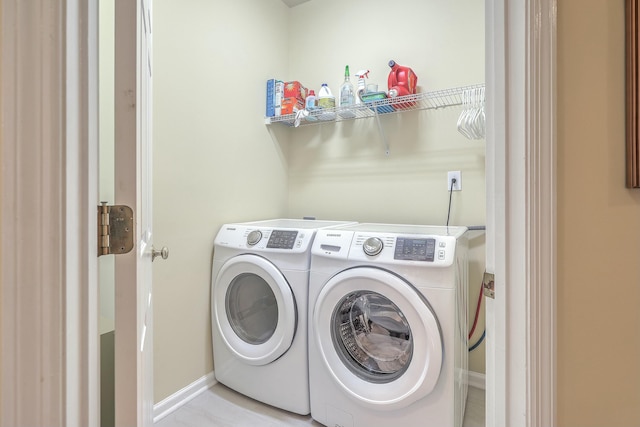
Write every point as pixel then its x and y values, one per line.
pixel 325 97
pixel 326 101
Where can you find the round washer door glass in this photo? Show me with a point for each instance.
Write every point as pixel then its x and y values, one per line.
pixel 372 336
pixel 254 309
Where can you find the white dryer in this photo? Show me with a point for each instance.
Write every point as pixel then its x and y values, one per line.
pixel 388 326
pixel 259 303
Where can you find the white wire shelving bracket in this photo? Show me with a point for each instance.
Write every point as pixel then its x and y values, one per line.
pixel 433 100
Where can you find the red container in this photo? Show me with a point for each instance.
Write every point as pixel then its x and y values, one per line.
pixel 295 89
pixel 402 80
pixel 291 105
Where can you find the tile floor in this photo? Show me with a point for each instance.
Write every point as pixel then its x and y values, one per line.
pixel 222 407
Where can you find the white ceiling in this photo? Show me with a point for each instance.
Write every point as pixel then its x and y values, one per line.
pixel 293 3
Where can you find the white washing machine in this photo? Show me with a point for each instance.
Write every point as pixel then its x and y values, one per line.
pixel 388 326
pixel 259 303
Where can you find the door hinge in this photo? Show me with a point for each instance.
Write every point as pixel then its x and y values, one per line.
pixel 115 229
pixel 488 286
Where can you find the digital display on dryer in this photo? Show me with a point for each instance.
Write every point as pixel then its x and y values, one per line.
pixel 282 239
pixel 415 249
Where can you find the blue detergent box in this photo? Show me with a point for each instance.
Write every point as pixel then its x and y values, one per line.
pixel 275 90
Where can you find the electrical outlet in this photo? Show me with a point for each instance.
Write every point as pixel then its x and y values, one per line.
pixel 455 186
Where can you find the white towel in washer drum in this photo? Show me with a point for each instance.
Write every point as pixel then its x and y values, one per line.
pixel 390 353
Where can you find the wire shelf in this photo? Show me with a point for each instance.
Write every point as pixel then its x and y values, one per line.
pixel 419 101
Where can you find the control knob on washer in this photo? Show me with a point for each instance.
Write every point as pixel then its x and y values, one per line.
pixel 372 246
pixel 254 237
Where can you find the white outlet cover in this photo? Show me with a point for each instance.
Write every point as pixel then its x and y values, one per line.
pixel 458 176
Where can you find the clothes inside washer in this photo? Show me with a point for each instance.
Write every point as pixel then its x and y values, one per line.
pixel 375 333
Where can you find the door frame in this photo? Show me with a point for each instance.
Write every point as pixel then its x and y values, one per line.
pixel 521 204
pixel 521 222
pixel 49 357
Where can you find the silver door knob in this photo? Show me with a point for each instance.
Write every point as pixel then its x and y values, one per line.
pixel 164 253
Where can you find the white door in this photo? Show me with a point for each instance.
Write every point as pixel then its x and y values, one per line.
pixel 133 314
pixel 254 309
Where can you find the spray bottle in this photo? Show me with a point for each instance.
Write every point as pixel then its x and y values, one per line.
pixel 362 75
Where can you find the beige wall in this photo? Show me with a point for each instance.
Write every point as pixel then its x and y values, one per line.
pixel 214 161
pixel 598 224
pixel 330 164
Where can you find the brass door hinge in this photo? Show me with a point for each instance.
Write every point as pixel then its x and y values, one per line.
pixel 488 286
pixel 115 229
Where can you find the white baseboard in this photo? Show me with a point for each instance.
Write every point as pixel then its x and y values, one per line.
pixel 179 398
pixel 477 380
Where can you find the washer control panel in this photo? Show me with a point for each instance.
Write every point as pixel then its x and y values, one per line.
pixel 399 248
pixel 415 249
pixel 393 248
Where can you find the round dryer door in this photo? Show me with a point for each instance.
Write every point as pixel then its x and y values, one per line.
pixel 379 337
pixel 255 309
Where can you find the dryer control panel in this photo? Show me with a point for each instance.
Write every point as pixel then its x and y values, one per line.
pixel 283 239
pixel 265 239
